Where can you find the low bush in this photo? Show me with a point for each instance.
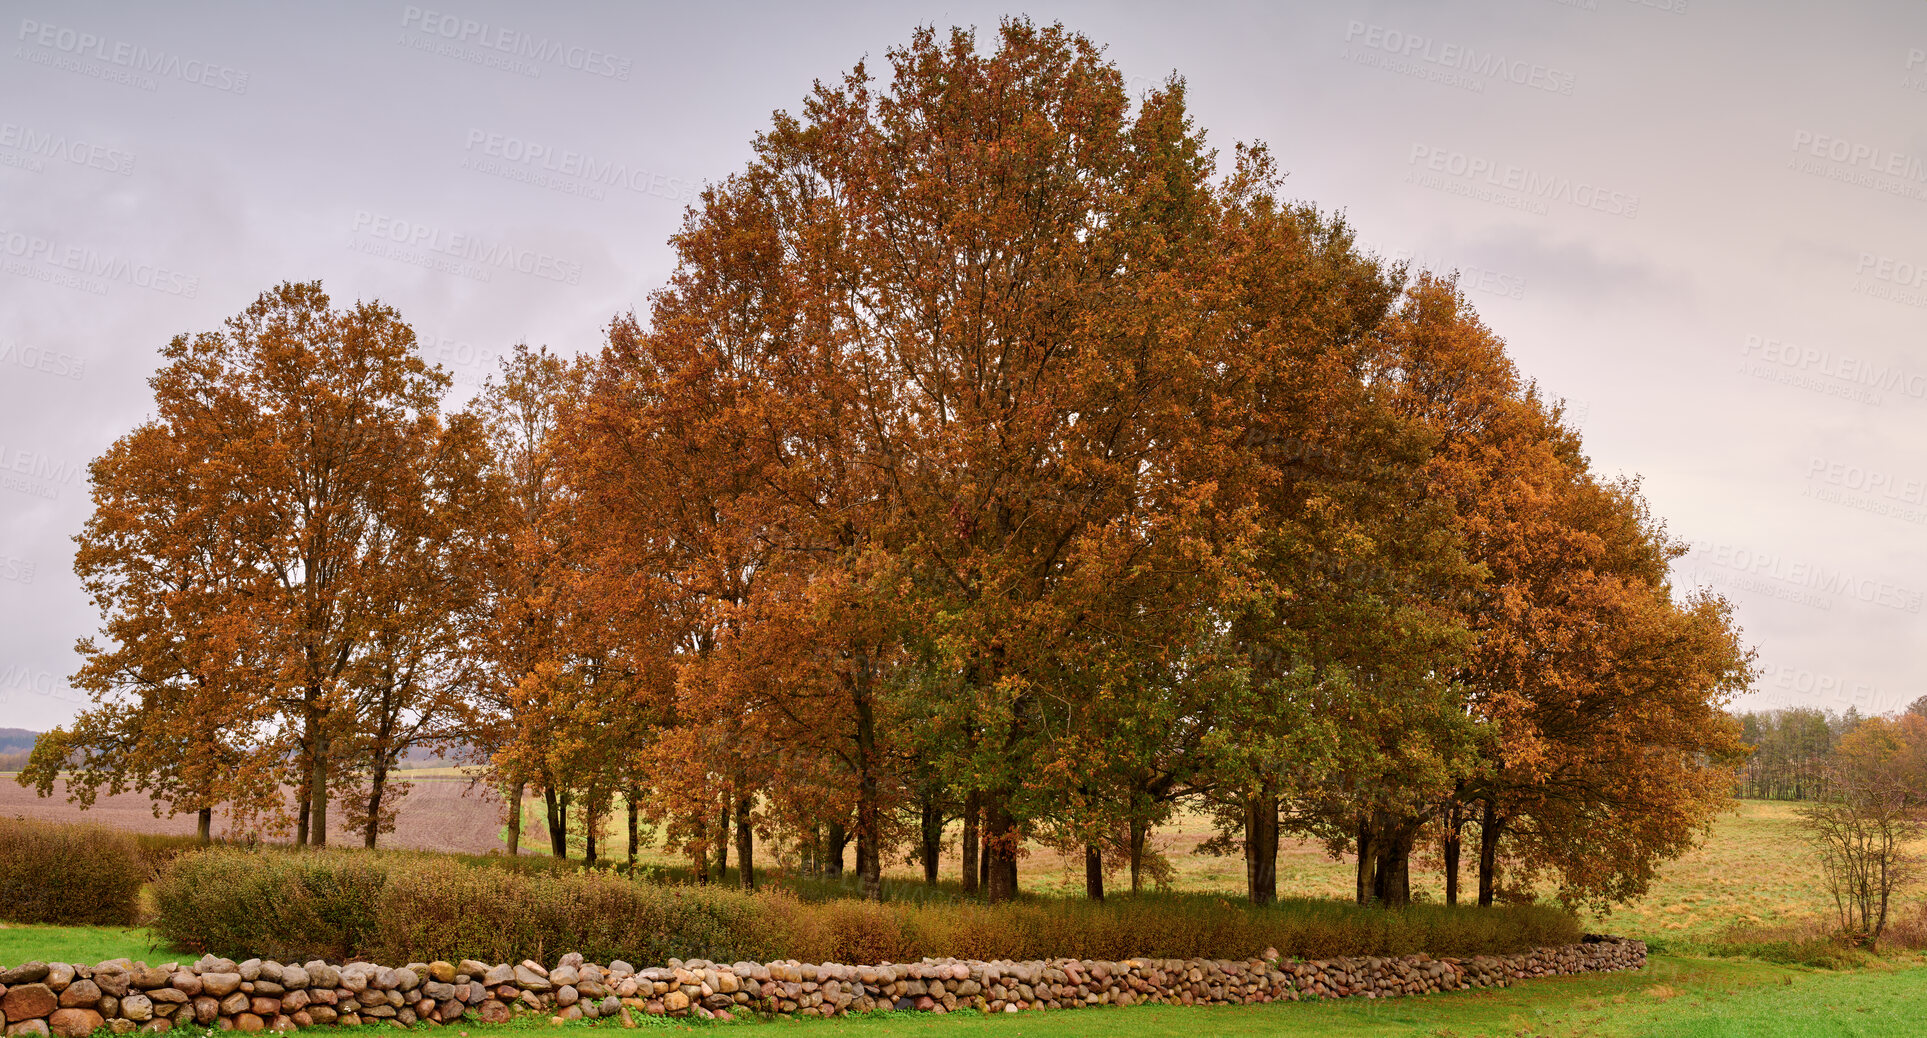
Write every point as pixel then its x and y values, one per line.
pixel 1803 942
pixel 271 904
pixel 68 874
pixel 157 849
pixel 400 907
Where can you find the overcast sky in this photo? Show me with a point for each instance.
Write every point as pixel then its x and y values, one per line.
pixel 1700 221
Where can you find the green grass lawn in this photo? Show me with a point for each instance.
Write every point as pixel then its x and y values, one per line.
pixel 82 944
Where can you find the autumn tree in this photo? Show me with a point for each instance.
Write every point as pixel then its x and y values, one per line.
pixel 173 716
pixel 249 540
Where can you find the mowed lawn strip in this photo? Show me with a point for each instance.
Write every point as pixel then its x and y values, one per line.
pixel 1673 996
pixel 84 944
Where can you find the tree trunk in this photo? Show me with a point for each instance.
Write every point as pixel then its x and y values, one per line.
pixel 1490 826
pixel 377 784
pixel 514 797
pixel 204 825
pixel 1367 860
pixel 1454 841
pixel 699 849
pixel 932 833
pixel 306 773
pixel 1392 883
pixel 722 844
pixel 1137 853
pixel 635 830
pixel 973 806
pixel 1093 872
pixel 591 817
pixel 1000 845
pixel 833 853
pixel 557 804
pixel 745 844
pixel 318 789
pixel 983 853
pixel 869 813
pixel 1261 845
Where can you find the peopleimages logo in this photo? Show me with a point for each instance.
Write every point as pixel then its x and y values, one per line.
pixel 16 679
pixel 462 33
pixel 35 474
pixel 1828 686
pixel 76 266
pixel 34 358
pixel 1829 580
pixel 75 51
pixel 465 254
pixel 566 170
pixel 1827 371
pixel 1896 280
pixel 31 144
pixel 19 571
pixel 1459 58
pixel 1868 490
pixel 1860 164
pixel 1514 186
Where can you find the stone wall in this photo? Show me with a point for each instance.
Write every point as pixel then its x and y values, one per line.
pixel 58 998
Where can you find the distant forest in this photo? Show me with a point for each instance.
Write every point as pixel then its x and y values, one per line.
pixel 1789 748
pixel 15 744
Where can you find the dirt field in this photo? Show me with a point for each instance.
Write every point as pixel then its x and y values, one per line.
pixel 440 813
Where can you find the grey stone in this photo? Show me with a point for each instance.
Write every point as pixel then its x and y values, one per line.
pixel 137 1008
pixel 220 985
pixel 26 973
pixel 530 980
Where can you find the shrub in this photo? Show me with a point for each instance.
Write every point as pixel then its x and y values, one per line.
pixel 157 849
pixel 68 874
pixel 401 907
pixel 1802 942
pixel 271 904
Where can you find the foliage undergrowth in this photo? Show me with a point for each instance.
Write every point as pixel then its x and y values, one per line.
pixel 397 907
pixel 66 873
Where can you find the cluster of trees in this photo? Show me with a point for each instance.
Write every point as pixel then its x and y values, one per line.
pixel 1791 752
pixel 1788 751
pixel 990 461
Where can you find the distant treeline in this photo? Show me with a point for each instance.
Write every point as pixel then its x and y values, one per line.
pixel 1789 749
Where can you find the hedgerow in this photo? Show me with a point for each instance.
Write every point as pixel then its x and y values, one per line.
pixel 400 907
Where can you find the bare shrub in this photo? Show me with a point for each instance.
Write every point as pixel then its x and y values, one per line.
pixel 1862 832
